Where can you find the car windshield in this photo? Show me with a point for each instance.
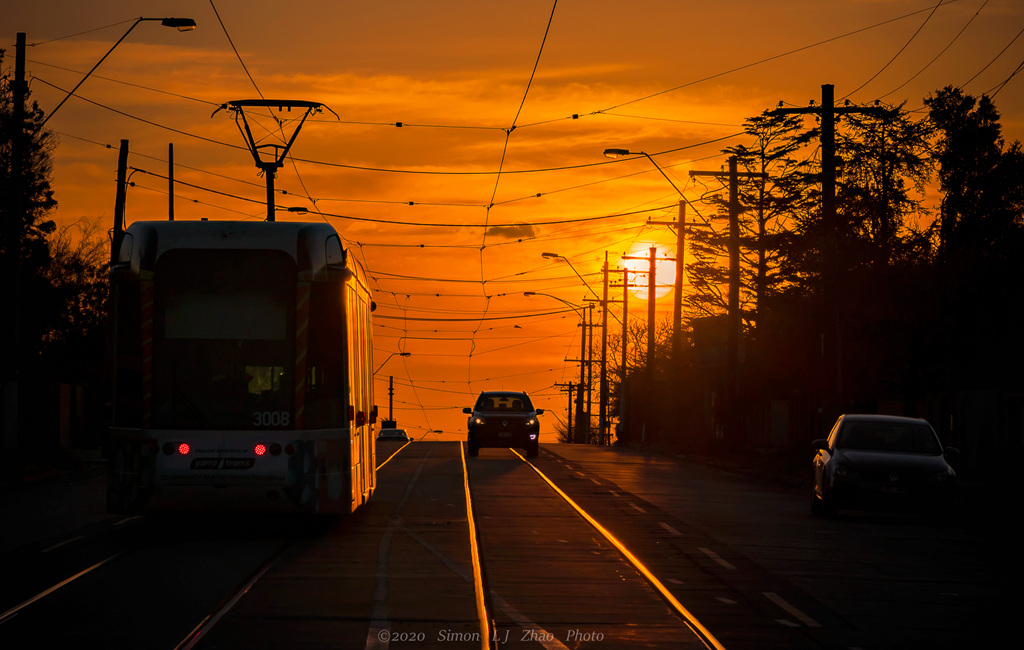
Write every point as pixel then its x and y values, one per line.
pixel 906 437
pixel 500 403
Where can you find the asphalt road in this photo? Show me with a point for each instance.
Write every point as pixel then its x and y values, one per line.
pixel 745 559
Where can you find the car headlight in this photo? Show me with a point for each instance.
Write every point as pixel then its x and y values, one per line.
pixel 531 422
pixel 478 420
pixel 845 472
pixel 941 477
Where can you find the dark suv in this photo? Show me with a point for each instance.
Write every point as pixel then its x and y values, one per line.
pixel 503 419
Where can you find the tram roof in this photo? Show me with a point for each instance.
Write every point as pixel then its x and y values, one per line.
pixel 315 242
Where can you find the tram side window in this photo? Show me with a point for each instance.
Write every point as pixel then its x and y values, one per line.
pixel 127 405
pixel 326 376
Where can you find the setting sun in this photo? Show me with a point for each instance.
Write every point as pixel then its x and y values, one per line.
pixel 638 264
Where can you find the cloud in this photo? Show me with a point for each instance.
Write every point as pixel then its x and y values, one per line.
pixel 518 231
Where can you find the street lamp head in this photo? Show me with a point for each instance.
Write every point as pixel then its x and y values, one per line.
pixel 405 354
pixel 181 24
pixel 551 256
pixel 529 293
pixel 616 153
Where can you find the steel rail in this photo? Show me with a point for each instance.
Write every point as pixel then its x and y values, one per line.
pixel 702 633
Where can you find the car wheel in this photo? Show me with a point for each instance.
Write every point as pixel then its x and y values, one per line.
pixel 816 508
pixel 828 506
pixel 532 450
pixel 474 450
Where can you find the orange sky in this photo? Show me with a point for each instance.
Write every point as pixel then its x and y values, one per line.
pixel 656 76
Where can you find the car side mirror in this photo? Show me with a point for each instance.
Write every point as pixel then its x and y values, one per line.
pixel 821 444
pixel 952 456
pixel 468 410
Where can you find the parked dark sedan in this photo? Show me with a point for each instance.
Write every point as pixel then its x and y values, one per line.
pixel 881 461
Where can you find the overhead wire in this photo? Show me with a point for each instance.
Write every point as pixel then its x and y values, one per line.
pixel 901 50
pixel 501 171
pixel 941 52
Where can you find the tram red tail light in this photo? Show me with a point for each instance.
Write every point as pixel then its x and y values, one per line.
pixel 170 448
pixel 260 449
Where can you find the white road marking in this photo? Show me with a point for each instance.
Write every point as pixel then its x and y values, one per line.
pixel 714 556
pixel 637 508
pixel 59 544
pixel 793 611
pixel 670 529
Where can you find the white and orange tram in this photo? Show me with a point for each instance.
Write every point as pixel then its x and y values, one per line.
pixel 242 369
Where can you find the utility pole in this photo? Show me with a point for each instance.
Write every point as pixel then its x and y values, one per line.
pixel 568 388
pixel 652 260
pixel 391 397
pixel 119 200
pixel 603 417
pixel 677 303
pixel 580 433
pixel 625 340
pixel 579 436
pixel 590 373
pixel 733 332
pixel 170 181
pixel 831 332
pixel 677 299
pixel 12 265
pixel 626 286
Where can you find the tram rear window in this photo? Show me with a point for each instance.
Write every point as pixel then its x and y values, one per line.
pixel 223 350
pixel 223 295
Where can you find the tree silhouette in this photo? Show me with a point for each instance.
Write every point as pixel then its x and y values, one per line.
pixel 26 201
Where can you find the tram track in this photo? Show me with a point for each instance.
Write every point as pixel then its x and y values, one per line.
pixel 702 633
pixel 500 618
pixel 150 591
pixel 495 569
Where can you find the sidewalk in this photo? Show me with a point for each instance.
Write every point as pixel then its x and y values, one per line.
pixel 39 503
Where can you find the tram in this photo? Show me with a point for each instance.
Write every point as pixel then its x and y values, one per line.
pixel 242 369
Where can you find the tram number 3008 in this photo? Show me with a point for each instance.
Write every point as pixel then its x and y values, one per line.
pixel 271 419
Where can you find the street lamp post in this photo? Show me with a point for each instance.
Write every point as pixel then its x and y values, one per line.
pixel 556 256
pixel 401 354
pixel 677 304
pixel 181 24
pixel 391 386
pixel 581 430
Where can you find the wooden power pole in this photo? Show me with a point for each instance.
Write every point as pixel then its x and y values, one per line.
pixel 733 332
